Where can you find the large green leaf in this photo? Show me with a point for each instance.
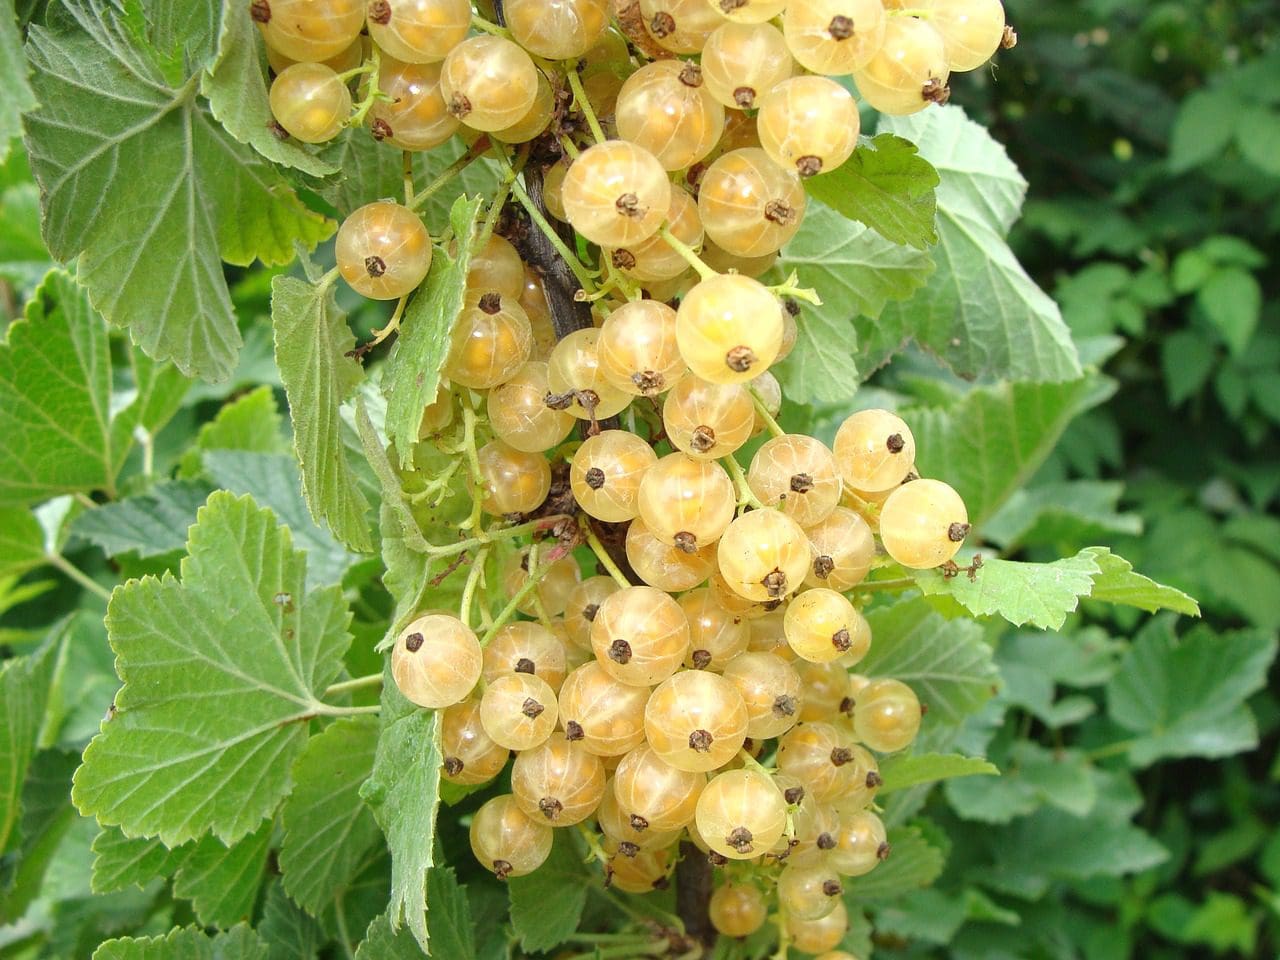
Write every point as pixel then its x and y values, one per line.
pixel 1042 594
pixel 17 98
pixel 24 691
pixel 855 272
pixel 946 662
pixel 236 87
pixel 452 933
pixel 901 771
pixel 47 816
pixel 327 827
pixel 1186 697
pixel 413 371
pixel 404 792
pixel 120 129
pixel 60 431
pixel 312 340
pixel 887 185
pixel 290 934
pixel 1032 778
pixel 120 861
pixel 21 541
pixel 221 670
pixel 980 312
pixel 187 943
pixel 222 882
pixel 147 524
pixel 1074 512
pixel 249 422
pixel 541 922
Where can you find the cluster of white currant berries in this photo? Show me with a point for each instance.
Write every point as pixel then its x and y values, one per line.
pixel 702 690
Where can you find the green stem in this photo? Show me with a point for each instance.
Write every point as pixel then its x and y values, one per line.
pixel 636 938
pixel 900 583
pixel 603 555
pixel 448 173
pixel 579 271
pixel 78 575
pixel 569 147
pixel 1111 750
pixel 369 66
pixel 469 590
pixel 485 26
pixel 582 103
pixel 749 761
pixel 327 710
pixel 530 583
pixel 373 95
pixel 687 252
pixel 788 288
pixel 623 951
pixel 369 680
pixel 491 536
pixel 746 497
pixel 764 413
pixel 473 463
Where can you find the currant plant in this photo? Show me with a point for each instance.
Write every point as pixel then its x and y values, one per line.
pixel 593 597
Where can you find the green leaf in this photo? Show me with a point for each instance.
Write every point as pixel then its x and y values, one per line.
pixel 289 933
pixel 991 440
pixel 946 662
pixel 121 861
pixel 272 480
pixel 312 340
pixel 236 88
pixel 856 272
pixel 1118 583
pixel 1039 594
pixel 117 131
pixel 1032 777
pixel 1187 358
pixel 381 942
pixel 186 943
pixel 888 186
pixel 47 815
pixel 1258 134
pixel 451 925
pixel 980 312
pixel 21 541
pixel 59 429
pixel 1203 128
pixel 1186 697
pixel 542 922
pixel 900 771
pixel 222 882
pixel 913 863
pixel 327 827
pixel 220 671
pixel 1232 300
pixel 366 168
pixel 24 690
pixel 147 524
pixel 1057 513
pixel 413 371
pixel 18 98
pixel 249 422
pixel 404 792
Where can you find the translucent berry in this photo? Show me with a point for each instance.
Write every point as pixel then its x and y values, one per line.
pixel 685 502
pixel 383 250
pixel 640 636
pixel 519 415
pixel 923 523
pixel 822 626
pixel 436 661
pixel 742 62
pixel 637 348
pixel 716 636
pixel 470 756
pixel 490 342
pixel 763 555
pixel 707 420
pixel 861 844
pixel 696 721
pixel 309 30
pixel 488 82
pixel 616 194
pixel 577 382
pixel 909 71
pixel 414 116
pixel 886 716
pixel 809 890
pixel 518 711
pixel 842 548
pixel 418 31
pixel 606 472
pixel 652 794
pixel 506 840
pixel 808 124
pixel 665 108
pixel 834 37
pixel 310 102
pixel 603 714
pixel 582 606
pixel 514 481
pixel 729 328
pixel 525 647
pixel 741 814
pixel 816 936
pixel 654 259
pixel 797 475
pixel 737 909
pixel 771 690
pixel 664 565
pixel 559 781
pixel 874 450
pixel 750 206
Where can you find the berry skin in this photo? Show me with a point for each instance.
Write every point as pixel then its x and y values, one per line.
pixel 415 117
pixel 665 566
pixel 557 29
pixel 696 721
pixel 514 481
pixel 496 268
pixel 560 782
pixel 555 583
pixel 620 833
pixel 525 647
pixel 653 795
pixel 310 30
pixel 923 523
pixel 418 31
pixel 654 260
pixel 729 328
pixel 816 936
pixel 665 108
pixel 518 711
pixel 826 686
pixel 834 37
pixel 771 690
pixel 603 714
pixel 581 607
pixel 488 82
pixel 842 548
pixel 797 475
pixel 685 502
pixel 640 636
pixel 681 26
pixel 874 450
pixel 436 661
pixel 616 194
pixel 763 555
pixel 750 206
pixel 886 715
pixel 383 250
pixel 645 872
pixel 821 757
pixel 310 102
pixel 741 814
pixel 808 890
pixel 716 636
pixel 706 420
pixel 506 840
pixel 808 124
pixel 971 30
pixel 861 844
pixel 822 626
pixel 637 347
pixel 737 909
pixel 470 757
pixel 491 340
pixel 519 415
pixel 606 472
pixel 575 376
pixel 908 72
pixel 535 119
